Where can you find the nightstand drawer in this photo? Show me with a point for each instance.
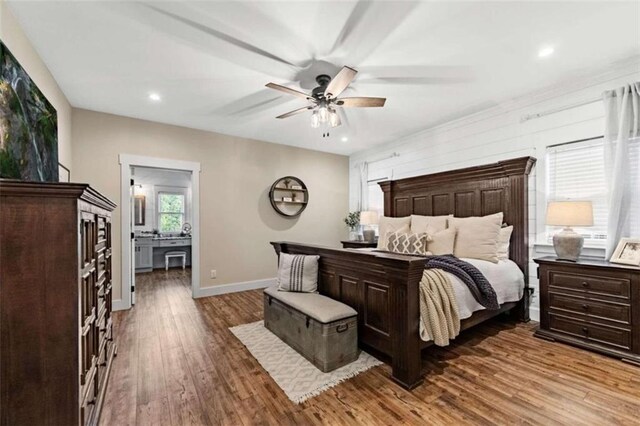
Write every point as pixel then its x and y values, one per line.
pixel 593 284
pixel 595 333
pixel 591 308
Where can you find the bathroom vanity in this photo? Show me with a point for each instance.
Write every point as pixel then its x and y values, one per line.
pixel 150 251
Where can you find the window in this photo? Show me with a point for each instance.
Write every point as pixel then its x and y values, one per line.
pixel 375 198
pixel 171 211
pixel 577 171
pixel 634 179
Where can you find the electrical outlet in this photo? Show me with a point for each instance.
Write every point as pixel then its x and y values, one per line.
pixel 214 274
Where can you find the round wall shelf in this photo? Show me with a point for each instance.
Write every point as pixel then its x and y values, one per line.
pixel 289 196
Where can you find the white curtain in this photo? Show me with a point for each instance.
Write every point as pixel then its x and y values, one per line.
pixel 622 123
pixel 363 185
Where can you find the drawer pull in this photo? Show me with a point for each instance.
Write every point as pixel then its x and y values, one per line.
pixel 585 284
pixel 585 307
pixel 585 330
pixel 342 328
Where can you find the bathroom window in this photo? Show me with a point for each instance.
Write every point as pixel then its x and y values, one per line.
pixel 171 212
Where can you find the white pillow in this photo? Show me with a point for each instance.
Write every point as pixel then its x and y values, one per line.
pixel 391 224
pixel 298 273
pixel 503 242
pixel 442 242
pixel 407 243
pixel 477 237
pixel 420 224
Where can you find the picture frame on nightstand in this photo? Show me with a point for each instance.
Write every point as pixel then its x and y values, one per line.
pixel 627 252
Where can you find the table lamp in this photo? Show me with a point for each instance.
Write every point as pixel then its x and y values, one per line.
pixel 368 218
pixel 568 243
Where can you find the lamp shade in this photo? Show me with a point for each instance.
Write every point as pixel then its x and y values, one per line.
pixel 368 218
pixel 570 213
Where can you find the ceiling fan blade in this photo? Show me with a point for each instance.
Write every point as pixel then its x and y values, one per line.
pixel 413 81
pixel 288 90
pixel 415 74
pixel 254 103
pixel 218 34
pixel 361 102
pixel 356 38
pixel 340 82
pixel 295 111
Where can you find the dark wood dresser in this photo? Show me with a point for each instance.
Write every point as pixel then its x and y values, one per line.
pixel 56 344
pixel 592 304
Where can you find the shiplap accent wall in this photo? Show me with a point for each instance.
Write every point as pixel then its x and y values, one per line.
pixel 501 133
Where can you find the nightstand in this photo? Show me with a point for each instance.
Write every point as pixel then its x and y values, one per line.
pixel 358 244
pixel 592 304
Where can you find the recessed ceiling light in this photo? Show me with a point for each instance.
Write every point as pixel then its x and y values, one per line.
pixel 154 97
pixel 545 51
pixel 344 139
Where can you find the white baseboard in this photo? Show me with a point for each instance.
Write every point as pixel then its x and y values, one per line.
pixel 234 287
pixel 534 313
pixel 119 305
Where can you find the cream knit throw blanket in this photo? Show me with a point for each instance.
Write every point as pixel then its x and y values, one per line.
pixel 439 316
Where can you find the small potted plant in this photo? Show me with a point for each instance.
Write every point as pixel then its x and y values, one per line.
pixel 353 222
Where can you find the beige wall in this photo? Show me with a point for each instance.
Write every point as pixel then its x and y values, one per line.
pixel 236 218
pixel 12 36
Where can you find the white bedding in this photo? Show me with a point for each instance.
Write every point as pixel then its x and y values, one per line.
pixel 505 277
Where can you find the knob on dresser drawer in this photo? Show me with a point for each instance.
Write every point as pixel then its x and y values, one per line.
pixel 585 284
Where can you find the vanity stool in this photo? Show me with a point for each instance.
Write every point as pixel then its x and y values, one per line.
pixel 177 253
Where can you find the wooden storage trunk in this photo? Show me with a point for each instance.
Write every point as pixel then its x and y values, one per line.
pixel 327 345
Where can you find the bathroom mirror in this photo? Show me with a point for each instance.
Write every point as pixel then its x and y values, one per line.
pixel 138 210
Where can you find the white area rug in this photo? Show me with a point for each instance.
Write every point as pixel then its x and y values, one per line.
pixel 297 377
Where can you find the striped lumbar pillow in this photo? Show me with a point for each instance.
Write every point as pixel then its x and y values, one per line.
pixel 298 273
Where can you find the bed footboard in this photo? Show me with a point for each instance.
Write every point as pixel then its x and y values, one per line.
pixel 383 288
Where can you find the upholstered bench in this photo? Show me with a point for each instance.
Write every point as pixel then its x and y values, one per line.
pixel 322 330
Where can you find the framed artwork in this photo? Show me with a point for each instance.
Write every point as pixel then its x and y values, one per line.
pixel 64 174
pixel 627 252
pixel 28 126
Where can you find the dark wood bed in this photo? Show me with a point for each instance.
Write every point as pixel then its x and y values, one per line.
pixel 383 287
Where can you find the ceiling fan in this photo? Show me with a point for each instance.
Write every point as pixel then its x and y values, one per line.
pixel 324 99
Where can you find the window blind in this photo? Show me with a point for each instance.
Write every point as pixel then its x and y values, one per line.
pixel 375 198
pixel 575 171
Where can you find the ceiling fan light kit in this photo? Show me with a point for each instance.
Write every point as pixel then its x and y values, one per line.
pixel 324 99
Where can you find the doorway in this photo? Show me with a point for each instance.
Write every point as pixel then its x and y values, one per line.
pixel 160 220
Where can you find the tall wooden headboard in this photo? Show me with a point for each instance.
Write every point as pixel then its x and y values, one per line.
pixel 473 191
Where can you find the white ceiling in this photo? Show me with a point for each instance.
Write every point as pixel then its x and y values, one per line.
pixel 210 60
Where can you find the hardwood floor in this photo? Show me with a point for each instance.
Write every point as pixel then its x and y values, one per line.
pixel 178 364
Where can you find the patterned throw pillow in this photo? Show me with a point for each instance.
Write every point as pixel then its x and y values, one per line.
pixel 298 273
pixel 407 243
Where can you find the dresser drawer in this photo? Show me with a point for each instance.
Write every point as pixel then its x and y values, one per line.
pixel 606 286
pixel 176 243
pixel 594 333
pixel 88 402
pixel 591 308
